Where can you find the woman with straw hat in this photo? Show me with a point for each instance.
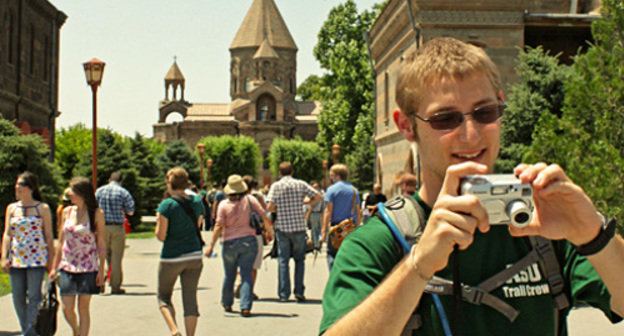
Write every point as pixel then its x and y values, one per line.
pixel 239 245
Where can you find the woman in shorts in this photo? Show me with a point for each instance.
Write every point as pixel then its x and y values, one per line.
pixel 80 258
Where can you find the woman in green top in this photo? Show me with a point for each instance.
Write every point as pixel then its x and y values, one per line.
pixel 181 253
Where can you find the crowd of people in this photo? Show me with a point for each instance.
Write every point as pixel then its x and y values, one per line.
pixel 450 104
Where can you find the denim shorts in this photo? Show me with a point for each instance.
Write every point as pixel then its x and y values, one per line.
pixel 78 283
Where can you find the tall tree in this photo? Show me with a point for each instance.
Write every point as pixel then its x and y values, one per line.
pixel 71 142
pixel 540 90
pixel 178 153
pixel 588 139
pixel 346 90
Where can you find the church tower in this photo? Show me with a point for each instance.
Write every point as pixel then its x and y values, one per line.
pixel 263 67
pixel 174 80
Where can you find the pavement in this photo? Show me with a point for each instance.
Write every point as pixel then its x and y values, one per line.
pixel 136 312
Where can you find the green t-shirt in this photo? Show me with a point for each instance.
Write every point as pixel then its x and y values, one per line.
pixel 371 252
pixel 181 232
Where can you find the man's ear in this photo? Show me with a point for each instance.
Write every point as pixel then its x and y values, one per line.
pixel 404 125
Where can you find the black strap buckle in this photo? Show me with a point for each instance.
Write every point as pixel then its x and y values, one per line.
pixel 473 295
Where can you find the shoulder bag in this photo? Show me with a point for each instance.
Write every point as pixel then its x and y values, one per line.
pixel 339 232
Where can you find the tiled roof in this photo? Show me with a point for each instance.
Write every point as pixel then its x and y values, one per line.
pixel 263 21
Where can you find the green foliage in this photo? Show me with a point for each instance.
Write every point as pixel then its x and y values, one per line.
pixel 19 153
pixel 231 155
pixel 305 156
pixel 311 88
pixel 70 144
pixel 347 89
pixel 5 282
pixel 112 155
pixel 539 91
pixel 178 153
pixel 363 155
pixel 588 139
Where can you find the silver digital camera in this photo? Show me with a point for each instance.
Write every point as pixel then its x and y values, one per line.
pixel 504 197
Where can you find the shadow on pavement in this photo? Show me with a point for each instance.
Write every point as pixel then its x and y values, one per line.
pixel 9 333
pixel 307 301
pixel 261 314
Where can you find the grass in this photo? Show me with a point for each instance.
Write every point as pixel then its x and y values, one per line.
pixel 142 231
pixel 5 284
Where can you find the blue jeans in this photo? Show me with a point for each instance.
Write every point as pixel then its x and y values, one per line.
pixel 26 290
pixel 290 244
pixel 241 253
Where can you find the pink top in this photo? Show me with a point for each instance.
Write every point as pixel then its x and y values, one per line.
pixel 235 217
pixel 79 248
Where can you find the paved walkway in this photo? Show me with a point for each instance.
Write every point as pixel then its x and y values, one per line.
pixel 136 312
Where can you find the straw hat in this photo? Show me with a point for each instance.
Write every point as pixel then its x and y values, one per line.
pixel 235 185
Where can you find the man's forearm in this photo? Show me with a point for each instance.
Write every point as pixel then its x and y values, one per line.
pixel 609 263
pixel 387 309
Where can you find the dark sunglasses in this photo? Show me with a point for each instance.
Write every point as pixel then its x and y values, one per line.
pixel 452 119
pixel 21 184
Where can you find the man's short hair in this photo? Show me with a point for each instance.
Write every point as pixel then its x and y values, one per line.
pixel 443 57
pixel 285 168
pixel 115 176
pixel 409 179
pixel 340 170
pixel 178 178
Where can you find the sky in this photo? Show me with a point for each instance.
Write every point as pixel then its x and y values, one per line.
pixel 138 39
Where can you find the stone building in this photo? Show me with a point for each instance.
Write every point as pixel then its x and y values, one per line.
pixel 500 27
pixel 263 66
pixel 29 65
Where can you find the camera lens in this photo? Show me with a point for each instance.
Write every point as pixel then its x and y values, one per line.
pixel 519 213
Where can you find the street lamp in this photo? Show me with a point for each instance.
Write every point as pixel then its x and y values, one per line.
pixel 94 69
pixel 200 148
pixel 325 165
pixel 336 152
pixel 209 165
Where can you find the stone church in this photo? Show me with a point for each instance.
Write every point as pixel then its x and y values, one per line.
pixel 500 27
pixel 263 66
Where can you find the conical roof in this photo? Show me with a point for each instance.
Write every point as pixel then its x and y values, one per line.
pixel 265 51
pixel 174 73
pixel 263 21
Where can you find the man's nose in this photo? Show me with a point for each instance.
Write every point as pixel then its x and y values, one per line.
pixel 469 130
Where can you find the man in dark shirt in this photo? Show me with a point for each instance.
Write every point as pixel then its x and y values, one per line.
pixel 370 206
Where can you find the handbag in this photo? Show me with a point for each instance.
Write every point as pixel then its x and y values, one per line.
pixel 254 220
pixel 191 215
pixel 45 322
pixel 339 232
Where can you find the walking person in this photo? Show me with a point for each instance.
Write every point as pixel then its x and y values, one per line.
pixel 79 261
pixel 116 202
pixel 65 202
pixel 286 199
pixel 27 248
pixel 239 244
pixel 342 201
pixel 178 220
pixel 314 216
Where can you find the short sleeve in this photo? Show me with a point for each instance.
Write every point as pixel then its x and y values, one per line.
pixel 164 208
pixel 309 190
pixel 271 195
pixel 198 206
pixel 365 258
pixel 329 195
pixel 222 213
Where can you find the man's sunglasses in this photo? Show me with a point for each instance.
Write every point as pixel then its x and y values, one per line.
pixel 445 121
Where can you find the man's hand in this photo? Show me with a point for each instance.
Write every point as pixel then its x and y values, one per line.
pixel 562 209
pixel 453 221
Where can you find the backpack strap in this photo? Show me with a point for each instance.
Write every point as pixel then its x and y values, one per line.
pixel 180 200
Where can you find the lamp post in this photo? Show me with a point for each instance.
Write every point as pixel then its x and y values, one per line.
pixel 200 148
pixel 209 166
pixel 336 152
pixel 94 69
pixel 325 165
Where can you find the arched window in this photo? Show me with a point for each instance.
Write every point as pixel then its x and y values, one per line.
pixel 265 108
pixel 278 82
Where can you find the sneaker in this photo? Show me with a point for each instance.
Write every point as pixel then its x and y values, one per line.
pixel 228 309
pixel 245 313
pixel 300 297
pixel 283 299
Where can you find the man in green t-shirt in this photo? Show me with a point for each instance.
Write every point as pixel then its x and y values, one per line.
pixel 450 104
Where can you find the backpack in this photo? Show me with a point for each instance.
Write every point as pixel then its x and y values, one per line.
pixel 406 220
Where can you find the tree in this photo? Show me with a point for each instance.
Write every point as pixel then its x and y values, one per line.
pixel 112 156
pixel 231 155
pixel 19 153
pixel 346 90
pixel 588 139
pixel 305 156
pixel 178 153
pixel 540 90
pixel 149 177
pixel 71 142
